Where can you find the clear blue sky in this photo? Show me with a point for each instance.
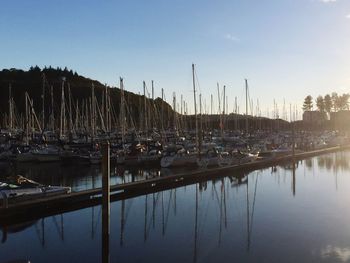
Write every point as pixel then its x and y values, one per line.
pixel 287 49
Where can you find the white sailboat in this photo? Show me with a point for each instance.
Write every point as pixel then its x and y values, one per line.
pixel 178 157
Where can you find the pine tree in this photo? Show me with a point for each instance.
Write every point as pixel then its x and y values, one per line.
pixel 308 105
pixel 328 103
pixel 335 101
pixel 320 103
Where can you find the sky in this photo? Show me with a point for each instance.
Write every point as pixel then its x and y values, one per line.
pixel 286 49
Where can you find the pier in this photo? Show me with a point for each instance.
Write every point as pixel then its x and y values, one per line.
pixel 17 210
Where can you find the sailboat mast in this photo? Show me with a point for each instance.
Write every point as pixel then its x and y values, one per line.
pixel 76 124
pixel 27 119
pixel 201 120
pixel 195 108
pixel 181 110
pixel 93 111
pixel 145 106
pixel 236 116
pixel 246 106
pixel 43 103
pixel 174 109
pixel 107 116
pixel 122 117
pixel 224 102
pixel 52 111
pixel 162 118
pixel 70 110
pixel 10 108
pixel 109 111
pixel 62 110
pixel 223 113
pixel 152 119
pixel 219 112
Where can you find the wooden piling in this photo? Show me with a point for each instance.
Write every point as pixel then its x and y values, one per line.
pixel 105 202
pixel 5 200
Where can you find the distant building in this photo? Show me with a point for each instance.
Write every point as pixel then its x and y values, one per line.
pixel 315 117
pixel 340 119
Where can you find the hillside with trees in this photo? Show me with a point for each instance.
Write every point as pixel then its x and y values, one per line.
pixel 79 89
pixel 50 79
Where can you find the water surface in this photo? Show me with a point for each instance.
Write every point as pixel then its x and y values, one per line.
pixel 277 214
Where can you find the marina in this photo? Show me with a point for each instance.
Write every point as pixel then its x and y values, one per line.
pixel 184 131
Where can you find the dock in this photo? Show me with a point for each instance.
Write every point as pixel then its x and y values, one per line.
pixel 17 212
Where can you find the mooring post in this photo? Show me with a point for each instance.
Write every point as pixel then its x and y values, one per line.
pixel 105 202
pixel 293 181
pixel 4 200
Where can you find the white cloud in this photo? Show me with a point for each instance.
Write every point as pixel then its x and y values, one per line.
pixel 328 1
pixel 232 38
pixel 348 16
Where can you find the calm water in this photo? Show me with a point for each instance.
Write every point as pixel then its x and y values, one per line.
pixel 274 215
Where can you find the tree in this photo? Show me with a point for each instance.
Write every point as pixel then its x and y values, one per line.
pixel 343 101
pixel 307 106
pixel 320 103
pixel 327 103
pixel 335 101
pixel 34 70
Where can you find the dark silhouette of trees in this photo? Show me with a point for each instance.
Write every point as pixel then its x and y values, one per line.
pixel 343 102
pixel 308 105
pixel 31 81
pixel 320 103
pixel 328 103
pixel 335 101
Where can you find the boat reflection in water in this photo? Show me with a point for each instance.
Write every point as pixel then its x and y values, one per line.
pixel 6 230
pixel 289 213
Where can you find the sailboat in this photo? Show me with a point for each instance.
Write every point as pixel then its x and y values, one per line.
pixel 24 154
pixel 47 153
pixel 178 156
pixel 209 159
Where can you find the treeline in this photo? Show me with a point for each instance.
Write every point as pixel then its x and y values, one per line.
pixel 34 79
pixel 327 103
